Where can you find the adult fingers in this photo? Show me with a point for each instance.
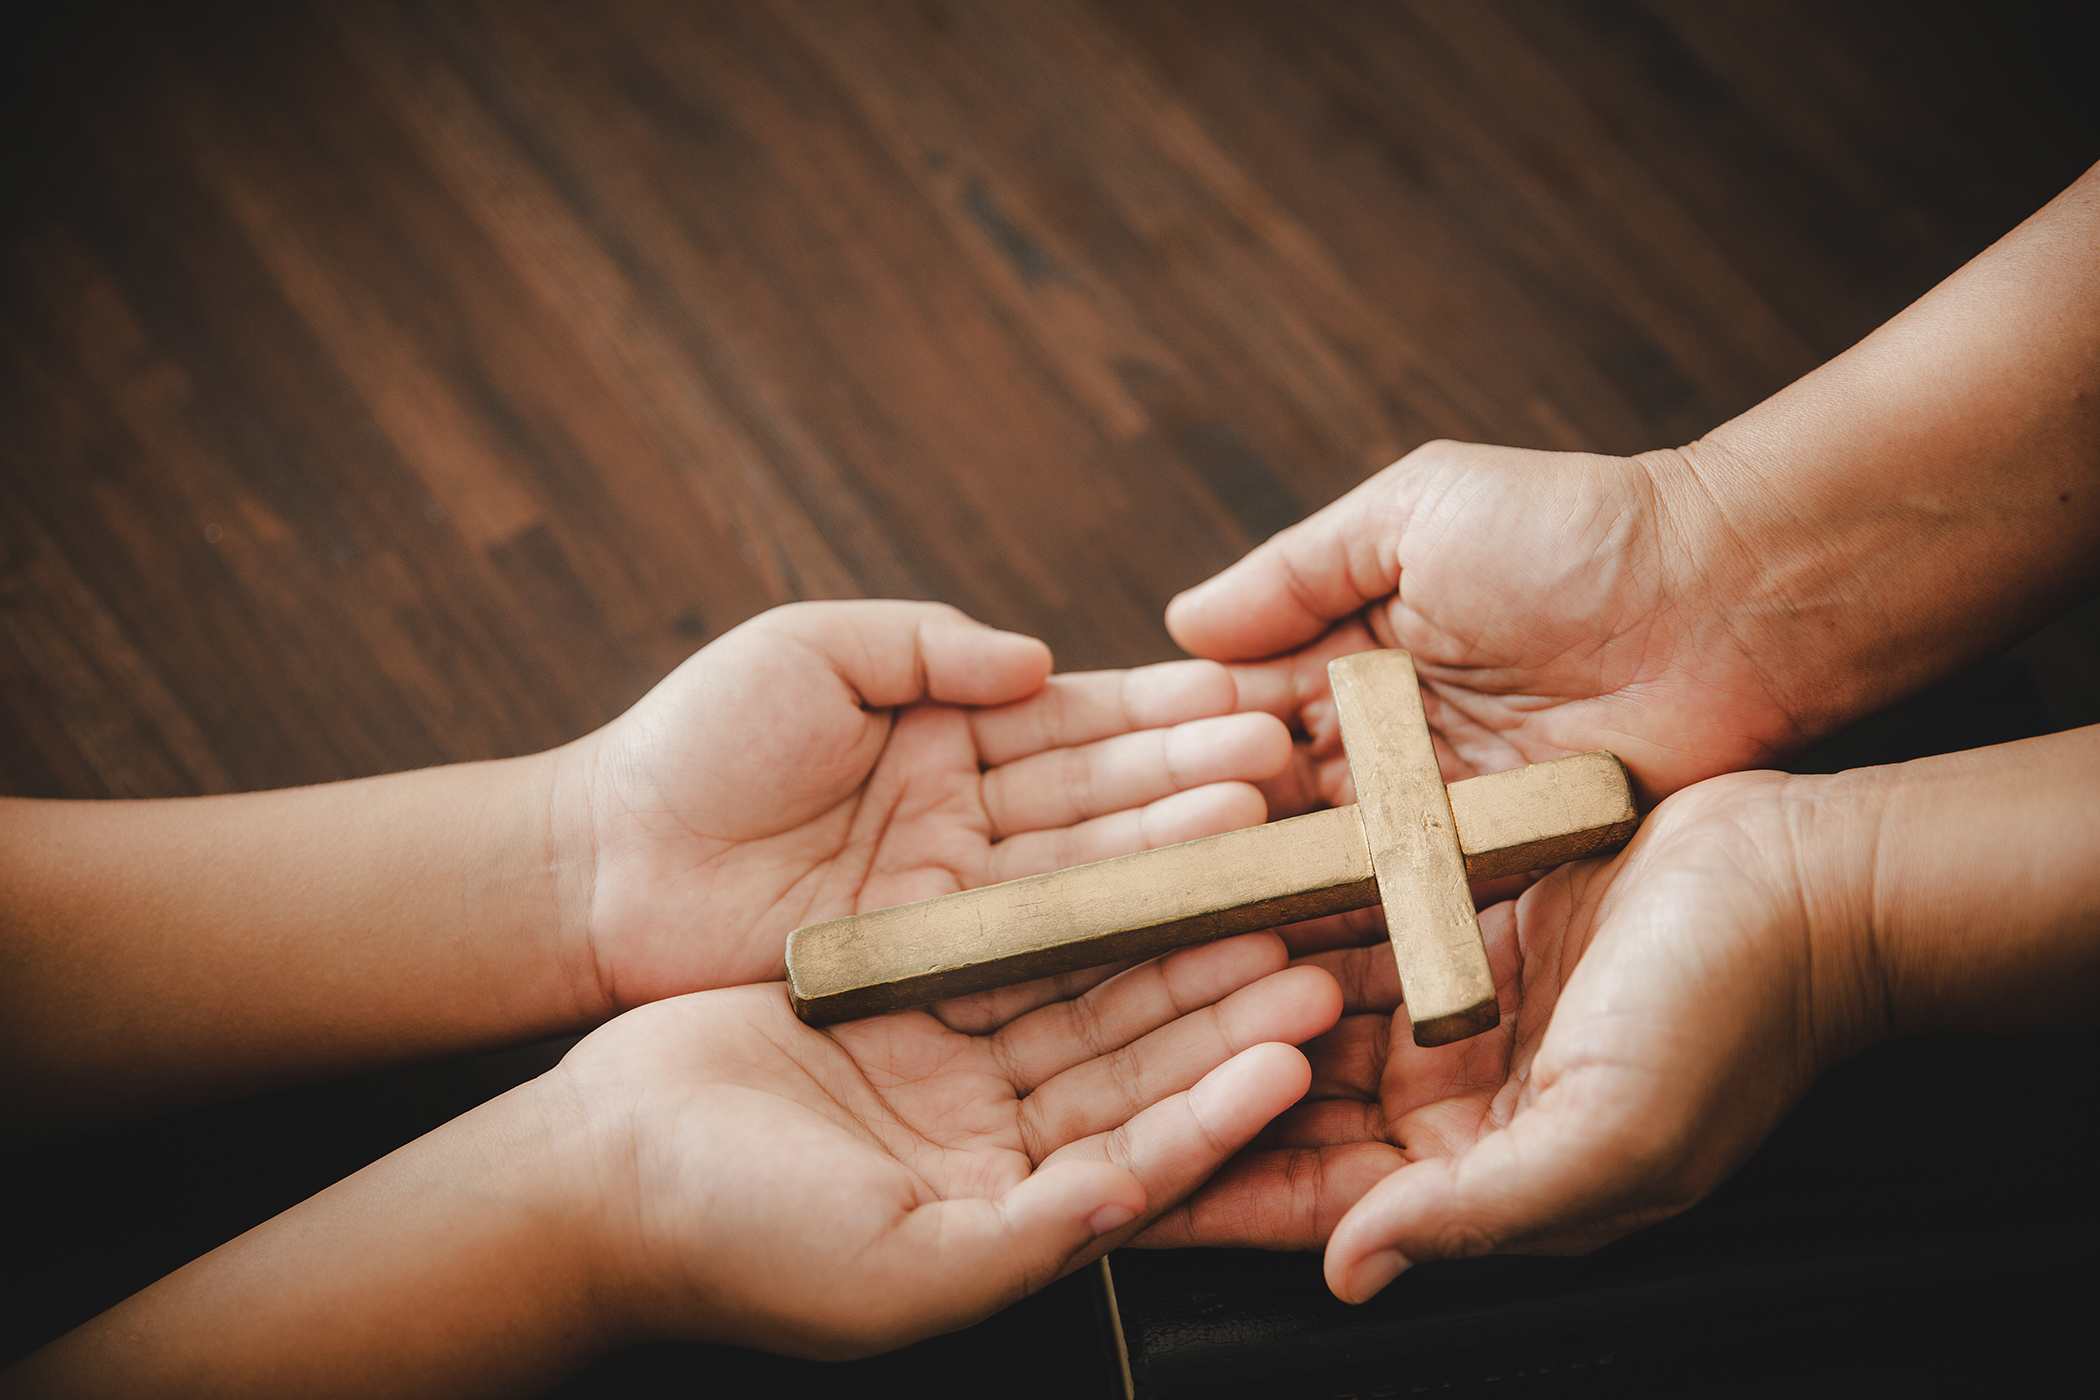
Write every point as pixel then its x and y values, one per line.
pixel 1287 590
pixel 1178 817
pixel 1348 1062
pixel 1083 706
pixel 1368 974
pixel 1577 1163
pixel 1110 1086
pixel 1294 688
pixel 1432 1093
pixel 1274 1198
pixel 891 653
pixel 1061 786
pixel 1359 928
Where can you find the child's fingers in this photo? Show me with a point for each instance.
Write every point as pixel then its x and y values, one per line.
pixel 1081 707
pixel 947 1264
pixel 1293 686
pixel 1108 1088
pixel 1062 786
pixel 1043 1044
pixel 894 653
pixel 1181 816
pixel 981 1013
pixel 1178 1143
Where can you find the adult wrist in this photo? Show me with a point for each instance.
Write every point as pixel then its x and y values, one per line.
pixel 1984 898
pixel 1803 593
pixel 1835 826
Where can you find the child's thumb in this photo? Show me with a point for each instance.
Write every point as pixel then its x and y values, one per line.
pixel 951 1263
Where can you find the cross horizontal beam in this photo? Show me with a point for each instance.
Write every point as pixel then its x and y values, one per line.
pixel 1140 905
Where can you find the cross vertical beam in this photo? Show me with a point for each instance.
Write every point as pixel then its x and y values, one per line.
pixel 1414 845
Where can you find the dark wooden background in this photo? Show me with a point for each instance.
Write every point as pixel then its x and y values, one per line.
pixel 387 384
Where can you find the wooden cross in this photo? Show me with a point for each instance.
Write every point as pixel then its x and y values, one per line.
pixel 1410 843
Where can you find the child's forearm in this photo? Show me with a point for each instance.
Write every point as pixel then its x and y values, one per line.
pixel 159 952
pixel 1967 886
pixel 459 1265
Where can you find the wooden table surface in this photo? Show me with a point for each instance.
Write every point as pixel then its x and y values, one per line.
pixel 389 384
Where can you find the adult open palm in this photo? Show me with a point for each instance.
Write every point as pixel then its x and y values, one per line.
pixel 828 758
pixel 1554 603
pixel 1659 1017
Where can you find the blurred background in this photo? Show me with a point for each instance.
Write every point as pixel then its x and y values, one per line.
pixel 390 384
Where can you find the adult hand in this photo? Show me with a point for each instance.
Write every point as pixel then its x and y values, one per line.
pixel 1661 1011
pixel 828 758
pixel 1920 502
pixel 1554 603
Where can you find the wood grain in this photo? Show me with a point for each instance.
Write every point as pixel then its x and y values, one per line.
pixel 402 383
pixel 1543 814
pixel 1414 845
pixel 1084 916
pixel 1147 903
pixel 391 383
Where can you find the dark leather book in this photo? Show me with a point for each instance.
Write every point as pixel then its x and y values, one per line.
pixel 1927 1213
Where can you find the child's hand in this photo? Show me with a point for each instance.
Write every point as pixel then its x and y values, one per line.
pixel 709 1167
pixel 837 1192
pixel 819 760
pixel 827 758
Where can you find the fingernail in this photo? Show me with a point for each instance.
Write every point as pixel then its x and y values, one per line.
pixel 1110 1217
pixel 1375 1273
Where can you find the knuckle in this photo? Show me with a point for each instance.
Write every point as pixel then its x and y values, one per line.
pixel 1035 1134
pixel 1466 1239
pixel 1076 776
pixel 1125 1073
pixel 1092 1032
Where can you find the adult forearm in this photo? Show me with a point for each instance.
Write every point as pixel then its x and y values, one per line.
pixel 1965 888
pixel 1929 496
pixel 163 951
pixel 459 1265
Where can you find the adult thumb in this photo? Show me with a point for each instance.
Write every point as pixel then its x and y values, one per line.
pixel 1291 588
